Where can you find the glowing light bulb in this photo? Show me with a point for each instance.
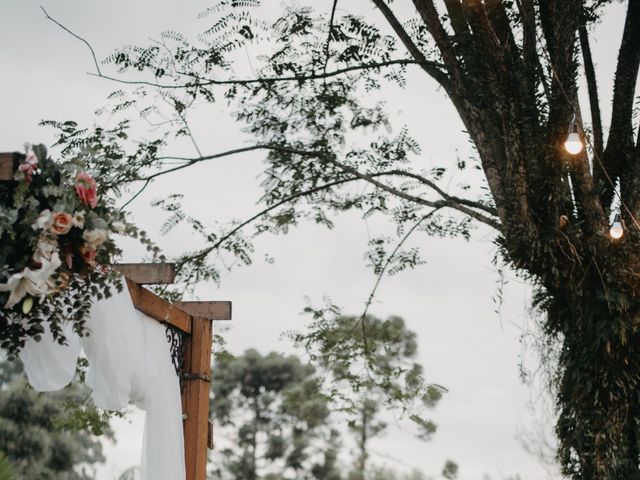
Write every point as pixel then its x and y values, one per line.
pixel 617 229
pixel 573 144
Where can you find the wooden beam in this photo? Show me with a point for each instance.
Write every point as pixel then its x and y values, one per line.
pixel 148 273
pixel 195 398
pixel 158 308
pixel 208 310
pixel 7 166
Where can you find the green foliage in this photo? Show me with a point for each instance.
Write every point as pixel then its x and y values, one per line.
pixel 369 369
pixel 22 242
pixel 314 131
pixel 384 350
pixel 450 470
pixel 278 425
pixel 49 436
pixel 130 474
pixel 511 72
pixel 272 409
pixel 6 470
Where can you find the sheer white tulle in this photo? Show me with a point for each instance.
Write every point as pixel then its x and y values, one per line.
pixel 129 361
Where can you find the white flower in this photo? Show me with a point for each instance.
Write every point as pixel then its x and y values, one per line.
pixel 43 221
pixel 78 220
pixel 95 238
pixel 36 283
pixel 118 227
pixel 45 248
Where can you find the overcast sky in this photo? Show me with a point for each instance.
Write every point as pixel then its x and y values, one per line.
pixel 464 344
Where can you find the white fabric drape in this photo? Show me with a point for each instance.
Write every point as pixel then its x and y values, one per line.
pixel 129 361
pixel 49 365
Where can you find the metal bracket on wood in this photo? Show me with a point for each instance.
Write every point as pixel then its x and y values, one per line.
pixel 177 347
pixel 196 376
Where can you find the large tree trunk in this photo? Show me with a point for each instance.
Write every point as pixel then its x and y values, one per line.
pixel 553 219
pixel 598 325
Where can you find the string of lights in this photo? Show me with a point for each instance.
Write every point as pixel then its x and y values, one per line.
pixel 574 145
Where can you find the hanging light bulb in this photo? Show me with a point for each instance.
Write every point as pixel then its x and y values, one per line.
pixel 617 228
pixel 573 144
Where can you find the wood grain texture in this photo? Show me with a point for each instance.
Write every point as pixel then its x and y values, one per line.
pixel 213 310
pixel 195 399
pixel 148 273
pixel 7 166
pixel 158 308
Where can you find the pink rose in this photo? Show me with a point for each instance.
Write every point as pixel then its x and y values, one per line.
pixel 87 189
pixel 88 255
pixel 28 170
pixel 29 166
pixel 62 223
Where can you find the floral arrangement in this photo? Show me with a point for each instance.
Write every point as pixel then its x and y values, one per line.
pixel 55 246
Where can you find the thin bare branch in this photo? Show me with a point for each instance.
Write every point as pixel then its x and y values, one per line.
pixel 462 205
pixel 203 82
pixel 136 195
pixel 93 54
pixel 270 208
pixel 390 258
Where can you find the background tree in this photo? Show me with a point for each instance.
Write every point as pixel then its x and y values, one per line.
pixel 277 425
pixel 6 470
pixel 364 372
pixel 511 71
pixel 368 371
pixel 49 436
pixel 275 412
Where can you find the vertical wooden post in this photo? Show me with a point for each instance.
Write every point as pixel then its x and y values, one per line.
pixel 195 397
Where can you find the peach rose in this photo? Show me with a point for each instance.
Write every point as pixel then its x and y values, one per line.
pixel 87 189
pixel 62 223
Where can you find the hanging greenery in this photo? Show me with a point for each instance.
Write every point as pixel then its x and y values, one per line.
pixel 56 226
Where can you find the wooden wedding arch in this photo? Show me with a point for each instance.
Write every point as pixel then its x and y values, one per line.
pixel 190 332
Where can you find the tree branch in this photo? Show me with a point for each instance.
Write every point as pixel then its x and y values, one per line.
pixel 430 66
pixel 618 152
pixel 560 22
pixel 532 65
pixel 93 54
pixel 462 205
pixel 430 16
pixel 204 82
pixel 328 42
pixel 390 259
pixel 592 87
pixel 284 201
pixel 433 70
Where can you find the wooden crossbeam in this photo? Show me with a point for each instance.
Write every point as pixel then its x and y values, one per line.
pixel 158 308
pixel 7 166
pixel 208 310
pixel 195 320
pixel 148 273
